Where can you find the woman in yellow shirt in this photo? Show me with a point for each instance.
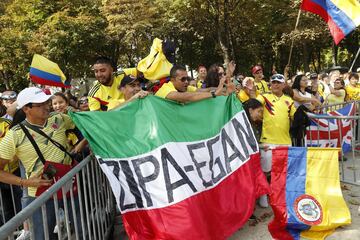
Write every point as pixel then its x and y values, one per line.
pixel 353 89
pixel 337 94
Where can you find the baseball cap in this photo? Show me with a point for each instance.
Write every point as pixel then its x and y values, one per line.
pixel 278 78
pixel 31 95
pixel 256 68
pixel 245 82
pixel 127 80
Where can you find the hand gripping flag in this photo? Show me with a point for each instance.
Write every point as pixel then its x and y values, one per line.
pixel 342 16
pixel 178 171
pixel 305 193
pixel 332 132
pixel 45 72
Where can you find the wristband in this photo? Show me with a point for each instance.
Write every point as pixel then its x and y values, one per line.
pixel 213 93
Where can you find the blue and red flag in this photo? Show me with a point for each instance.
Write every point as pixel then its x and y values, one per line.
pixel 332 132
pixel 342 16
pixel 305 193
pixel 45 72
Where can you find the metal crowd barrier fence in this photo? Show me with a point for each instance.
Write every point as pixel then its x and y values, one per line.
pixel 87 214
pixel 331 131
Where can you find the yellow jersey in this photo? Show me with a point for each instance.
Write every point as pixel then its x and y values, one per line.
pixel 352 93
pixel 278 112
pixel 243 96
pixel 100 95
pixel 262 87
pixel 169 87
pixel 16 144
pixel 4 128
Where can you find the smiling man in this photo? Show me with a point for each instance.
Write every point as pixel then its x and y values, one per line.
pixel 106 87
pixel 178 89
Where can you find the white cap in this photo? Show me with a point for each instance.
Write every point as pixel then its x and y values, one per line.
pixel 31 95
pixel 358 69
pixel 278 78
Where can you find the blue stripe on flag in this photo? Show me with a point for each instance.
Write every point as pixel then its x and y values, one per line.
pixel 295 187
pixel 45 75
pixel 343 21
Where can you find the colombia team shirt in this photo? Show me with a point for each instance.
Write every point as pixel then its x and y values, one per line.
pixel 262 87
pixel 100 95
pixel 16 144
pixel 168 87
pixel 4 128
pixel 278 112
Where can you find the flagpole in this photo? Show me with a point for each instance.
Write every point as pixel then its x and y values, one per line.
pixel 292 41
pixel 356 57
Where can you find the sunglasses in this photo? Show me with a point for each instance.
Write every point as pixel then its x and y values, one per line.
pixel 9 97
pixel 184 79
pixel 221 74
pixel 83 101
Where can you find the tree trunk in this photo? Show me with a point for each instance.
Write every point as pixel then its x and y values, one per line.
pixel 335 54
pixel 306 58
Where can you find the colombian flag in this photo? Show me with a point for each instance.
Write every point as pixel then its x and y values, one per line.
pixel 45 72
pixel 342 16
pixel 305 193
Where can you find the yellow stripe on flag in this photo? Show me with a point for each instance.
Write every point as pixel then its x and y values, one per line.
pixel 42 63
pixel 323 183
pixel 351 8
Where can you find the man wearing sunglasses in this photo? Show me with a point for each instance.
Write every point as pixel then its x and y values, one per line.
pixel 279 109
pixel 178 89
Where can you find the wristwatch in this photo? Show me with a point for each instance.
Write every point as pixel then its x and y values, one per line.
pixel 213 93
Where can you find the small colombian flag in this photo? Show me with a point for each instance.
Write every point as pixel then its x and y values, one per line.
pixel 45 72
pixel 305 193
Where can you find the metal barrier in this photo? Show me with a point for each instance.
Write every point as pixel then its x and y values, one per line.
pixel 331 131
pixel 89 214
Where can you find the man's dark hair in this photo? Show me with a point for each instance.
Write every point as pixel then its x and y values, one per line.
pixel 105 60
pixel 175 68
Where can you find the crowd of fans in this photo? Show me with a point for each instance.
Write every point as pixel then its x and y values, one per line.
pixel 270 104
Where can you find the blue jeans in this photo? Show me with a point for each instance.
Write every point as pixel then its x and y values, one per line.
pixel 37 220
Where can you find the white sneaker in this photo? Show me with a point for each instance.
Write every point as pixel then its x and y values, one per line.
pixel 24 235
pixel 263 201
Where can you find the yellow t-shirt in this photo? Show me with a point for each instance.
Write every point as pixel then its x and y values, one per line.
pixel 278 112
pixel 16 144
pixel 100 95
pixel 352 93
pixel 4 128
pixel 243 96
pixel 332 99
pixel 115 103
pixel 199 83
pixel 262 87
pixel 168 87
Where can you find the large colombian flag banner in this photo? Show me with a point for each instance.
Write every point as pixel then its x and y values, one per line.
pixel 45 72
pixel 342 16
pixel 305 193
pixel 178 171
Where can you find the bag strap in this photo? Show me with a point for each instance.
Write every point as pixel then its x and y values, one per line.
pixel 36 147
pixel 39 131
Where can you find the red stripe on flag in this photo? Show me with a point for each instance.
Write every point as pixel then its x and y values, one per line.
pixel 277 227
pixel 43 81
pixel 335 31
pixel 213 214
